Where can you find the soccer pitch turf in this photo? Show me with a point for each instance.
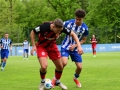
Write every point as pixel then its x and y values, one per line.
pixel 98 73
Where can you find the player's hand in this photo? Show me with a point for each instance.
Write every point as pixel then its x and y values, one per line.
pixel 32 50
pixel 118 36
pixel 10 49
pixel 80 50
pixel 72 47
pixel 1 47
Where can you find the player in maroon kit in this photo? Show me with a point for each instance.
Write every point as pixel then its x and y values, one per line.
pixel 46 46
pixel 93 41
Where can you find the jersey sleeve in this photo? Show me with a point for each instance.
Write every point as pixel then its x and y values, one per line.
pixel 66 31
pixel 0 41
pixel 42 28
pixel 86 32
pixel 66 23
pixel 10 42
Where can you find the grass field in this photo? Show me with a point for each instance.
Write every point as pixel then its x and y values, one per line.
pixel 99 73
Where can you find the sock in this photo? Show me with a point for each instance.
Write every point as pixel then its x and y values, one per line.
pixel 3 64
pixel 58 74
pixel 76 76
pixel 27 55
pixel 42 75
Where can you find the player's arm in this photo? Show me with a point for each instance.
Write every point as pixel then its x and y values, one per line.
pixel 32 36
pixel 96 40
pixel 90 40
pixel 1 44
pixel 10 45
pixel 84 38
pixel 71 33
pixel 35 31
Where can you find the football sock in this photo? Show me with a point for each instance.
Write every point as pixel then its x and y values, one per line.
pixel 42 75
pixel 3 64
pixel 43 81
pixel 27 55
pixel 58 74
pixel 76 76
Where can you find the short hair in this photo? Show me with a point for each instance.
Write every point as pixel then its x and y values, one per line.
pixel 58 23
pixel 80 13
pixel 6 33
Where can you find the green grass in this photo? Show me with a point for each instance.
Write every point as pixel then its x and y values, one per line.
pixel 99 73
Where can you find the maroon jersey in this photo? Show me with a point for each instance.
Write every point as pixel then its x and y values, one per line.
pixel 46 36
pixel 94 41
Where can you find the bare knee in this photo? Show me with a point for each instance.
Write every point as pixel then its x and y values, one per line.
pixel 43 68
pixel 64 64
pixel 79 67
pixel 59 67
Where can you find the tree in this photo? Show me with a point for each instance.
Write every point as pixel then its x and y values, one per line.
pixel 104 14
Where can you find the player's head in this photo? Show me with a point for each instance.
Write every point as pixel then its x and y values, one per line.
pixel 6 35
pixel 93 36
pixel 57 26
pixel 79 15
pixel 25 40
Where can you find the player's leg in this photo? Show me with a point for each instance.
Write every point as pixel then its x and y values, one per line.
pixel 4 57
pixel 58 74
pixel 64 56
pixel 43 70
pixel 55 56
pixel 24 54
pixel 27 53
pixel 42 57
pixel 94 51
pixel 78 61
pixel 1 62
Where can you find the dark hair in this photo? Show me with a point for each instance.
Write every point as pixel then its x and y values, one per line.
pixel 6 33
pixel 80 13
pixel 58 23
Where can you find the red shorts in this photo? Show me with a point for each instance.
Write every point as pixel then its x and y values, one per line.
pixel 94 46
pixel 52 52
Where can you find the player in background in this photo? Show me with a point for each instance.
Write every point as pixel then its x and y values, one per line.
pixel 93 41
pixel 69 46
pixel 25 49
pixel 5 43
pixel 47 47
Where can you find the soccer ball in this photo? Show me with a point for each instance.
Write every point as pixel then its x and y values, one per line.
pixel 47 84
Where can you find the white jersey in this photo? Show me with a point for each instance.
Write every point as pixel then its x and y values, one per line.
pixel 26 45
pixel 5 43
pixel 79 30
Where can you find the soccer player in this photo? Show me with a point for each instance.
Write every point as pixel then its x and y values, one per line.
pixel 93 41
pixel 46 46
pixel 4 45
pixel 69 46
pixel 25 49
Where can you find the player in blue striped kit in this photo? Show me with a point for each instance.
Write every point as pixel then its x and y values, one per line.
pixel 5 43
pixel 25 49
pixel 69 47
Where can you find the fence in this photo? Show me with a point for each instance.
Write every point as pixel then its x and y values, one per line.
pixel 18 50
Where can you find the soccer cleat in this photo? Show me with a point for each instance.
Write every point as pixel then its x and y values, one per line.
pixel 41 86
pixel 2 69
pixel 77 82
pixel 94 55
pixel 53 82
pixel 61 86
